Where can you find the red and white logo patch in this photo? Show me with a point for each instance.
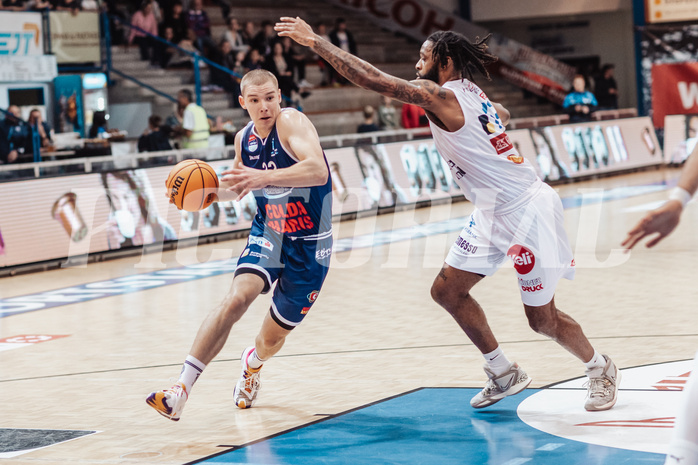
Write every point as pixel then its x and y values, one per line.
pixel 312 297
pixel 523 259
pixel 501 143
pixel 252 143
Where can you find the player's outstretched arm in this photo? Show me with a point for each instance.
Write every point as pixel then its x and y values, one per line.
pixel 664 219
pixel 423 93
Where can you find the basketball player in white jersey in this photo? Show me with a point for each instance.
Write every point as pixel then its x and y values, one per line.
pixel 683 449
pixel 516 215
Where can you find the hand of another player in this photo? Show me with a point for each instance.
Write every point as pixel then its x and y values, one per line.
pixel 244 180
pixel 661 221
pixel 296 29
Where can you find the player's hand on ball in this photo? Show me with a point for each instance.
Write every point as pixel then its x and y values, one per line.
pixel 296 29
pixel 244 180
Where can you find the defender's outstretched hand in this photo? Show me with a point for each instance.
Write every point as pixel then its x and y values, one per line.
pixel 662 221
pixel 296 29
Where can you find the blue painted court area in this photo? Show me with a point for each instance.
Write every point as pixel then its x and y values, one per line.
pixel 428 426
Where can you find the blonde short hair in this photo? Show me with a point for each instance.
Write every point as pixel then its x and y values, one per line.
pixel 257 77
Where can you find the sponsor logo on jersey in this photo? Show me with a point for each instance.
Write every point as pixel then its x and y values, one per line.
pixel 252 143
pixel 518 159
pixel 288 218
pixel 312 297
pixel 466 246
pixel 260 241
pixel 276 192
pixel 458 171
pixel 523 259
pixel 501 143
pixel 258 255
pixel 245 253
pixel 323 254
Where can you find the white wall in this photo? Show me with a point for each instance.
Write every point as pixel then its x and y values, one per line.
pixel 608 36
pixel 489 10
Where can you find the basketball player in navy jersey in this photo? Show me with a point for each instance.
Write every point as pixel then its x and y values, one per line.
pixel 516 215
pixel 659 223
pixel 278 159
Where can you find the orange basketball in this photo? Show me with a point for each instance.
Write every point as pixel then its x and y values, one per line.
pixel 192 185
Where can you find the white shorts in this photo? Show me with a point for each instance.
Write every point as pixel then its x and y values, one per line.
pixel 531 233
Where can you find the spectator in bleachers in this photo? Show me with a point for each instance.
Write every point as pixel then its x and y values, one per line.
pixel 154 139
pixel 226 57
pixel 38 5
pixel 413 116
pixel 281 66
pixel 580 103
pixel 387 115
pixel 99 125
pixel 66 5
pixel 342 38
pixel 17 131
pixel 144 19
pixel 198 21
pixel 14 5
pixel 328 72
pixel 37 124
pixel 8 153
pixel 606 89
pixel 163 53
pixel 234 37
pixel 248 33
pixel 369 124
pixel 265 39
pixel 253 60
pixel 296 55
pixel 177 22
pixel 195 127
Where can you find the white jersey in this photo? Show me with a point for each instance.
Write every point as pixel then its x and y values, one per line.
pixel 483 161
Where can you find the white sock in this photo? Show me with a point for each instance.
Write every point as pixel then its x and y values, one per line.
pixel 497 361
pixel 597 361
pixel 684 444
pixel 253 360
pixel 191 370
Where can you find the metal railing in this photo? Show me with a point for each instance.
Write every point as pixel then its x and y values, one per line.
pixel 196 57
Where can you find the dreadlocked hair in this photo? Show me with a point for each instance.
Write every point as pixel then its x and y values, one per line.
pixel 465 55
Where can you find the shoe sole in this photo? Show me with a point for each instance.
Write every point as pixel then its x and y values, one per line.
pixel 515 389
pixel 609 405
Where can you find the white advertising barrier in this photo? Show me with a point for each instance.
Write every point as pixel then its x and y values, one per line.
pixel 21 34
pixel 15 68
pixel 680 137
pixel 91 213
pixel 584 149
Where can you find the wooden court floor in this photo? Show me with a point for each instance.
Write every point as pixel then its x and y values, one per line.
pixel 373 333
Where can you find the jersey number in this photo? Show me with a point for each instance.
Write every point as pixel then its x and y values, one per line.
pixel 268 166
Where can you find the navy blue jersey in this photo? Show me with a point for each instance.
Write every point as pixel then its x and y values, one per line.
pixel 294 211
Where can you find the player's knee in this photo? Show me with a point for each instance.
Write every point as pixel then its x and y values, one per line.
pixel 236 305
pixel 542 322
pixel 269 340
pixel 445 296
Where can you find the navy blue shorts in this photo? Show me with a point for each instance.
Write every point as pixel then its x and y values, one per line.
pixel 299 265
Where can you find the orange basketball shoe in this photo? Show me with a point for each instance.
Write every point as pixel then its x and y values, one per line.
pixel 249 383
pixel 169 402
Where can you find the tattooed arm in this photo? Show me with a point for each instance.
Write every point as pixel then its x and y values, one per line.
pixel 427 94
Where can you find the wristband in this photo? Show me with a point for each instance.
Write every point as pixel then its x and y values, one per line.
pixel 680 194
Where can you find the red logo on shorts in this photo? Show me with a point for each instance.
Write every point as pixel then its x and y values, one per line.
pixel 313 296
pixel 305 310
pixel 523 259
